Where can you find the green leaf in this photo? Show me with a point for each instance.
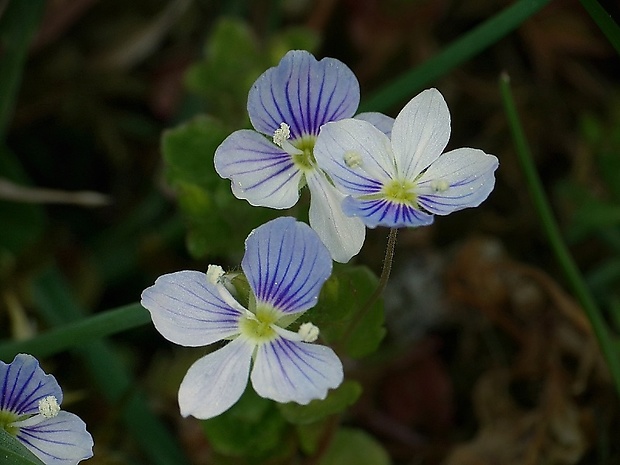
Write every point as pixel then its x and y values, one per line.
pixel 310 435
pixel 14 452
pixel 355 447
pixel 188 151
pixel 251 428
pixel 341 307
pixel 292 39
pixel 217 221
pixel 232 63
pixel 336 401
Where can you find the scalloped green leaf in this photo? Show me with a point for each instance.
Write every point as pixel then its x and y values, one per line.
pixel 188 151
pixel 14 452
pixel 336 401
pixel 351 445
pixel 341 315
pixel 252 428
pixel 217 221
pixel 232 63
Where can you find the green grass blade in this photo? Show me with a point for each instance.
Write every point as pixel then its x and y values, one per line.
pixel 18 24
pixel 551 229
pixel 604 21
pixel 56 304
pixel 468 45
pixel 79 332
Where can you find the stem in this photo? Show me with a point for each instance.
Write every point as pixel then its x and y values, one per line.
pixel 552 231
pixel 383 280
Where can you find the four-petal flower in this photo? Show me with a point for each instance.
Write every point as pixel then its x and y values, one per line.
pixel 30 410
pixel 288 104
pixel 286 265
pixel 405 180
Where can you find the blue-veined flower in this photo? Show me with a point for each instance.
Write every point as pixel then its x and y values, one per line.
pixel 30 411
pixel 286 265
pixel 287 106
pixel 405 179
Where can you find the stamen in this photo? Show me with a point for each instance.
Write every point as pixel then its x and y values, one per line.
pixel 352 159
pixel 440 185
pixel 48 407
pixel 214 274
pixel 308 332
pixel 282 134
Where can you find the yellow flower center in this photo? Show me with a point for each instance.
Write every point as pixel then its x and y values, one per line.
pixel 400 192
pixel 6 421
pixel 259 327
pixel 305 161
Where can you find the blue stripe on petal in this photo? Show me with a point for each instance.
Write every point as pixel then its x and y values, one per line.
pixel 260 171
pixel 189 310
pixel 287 370
pixel 24 383
pixel 61 440
pixel 382 212
pixel 286 264
pixel 303 93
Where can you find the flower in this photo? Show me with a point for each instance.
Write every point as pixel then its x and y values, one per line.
pixel 287 106
pixel 404 180
pixel 30 411
pixel 286 265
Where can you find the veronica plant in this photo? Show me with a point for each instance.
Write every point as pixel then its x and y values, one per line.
pixel 30 411
pixel 288 105
pixel 285 264
pixel 404 180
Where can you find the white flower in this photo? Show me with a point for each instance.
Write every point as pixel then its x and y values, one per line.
pixel 286 265
pixel 30 411
pixel 288 104
pixel 404 180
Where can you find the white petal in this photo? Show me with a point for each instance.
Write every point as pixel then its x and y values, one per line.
pixel 189 310
pixel 61 440
pixel 216 381
pixel 459 179
pixel 382 122
pixel 293 371
pixel 260 171
pixel 342 235
pixel 356 156
pixel 420 133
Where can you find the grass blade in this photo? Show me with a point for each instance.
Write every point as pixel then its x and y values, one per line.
pixel 453 55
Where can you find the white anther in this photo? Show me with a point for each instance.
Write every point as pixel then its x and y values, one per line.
pixel 308 332
pixel 282 134
pixel 214 274
pixel 440 185
pixel 352 159
pixel 48 407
